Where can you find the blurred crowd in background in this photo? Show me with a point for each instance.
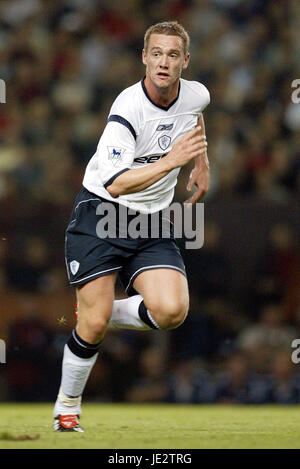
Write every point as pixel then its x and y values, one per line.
pixel 64 62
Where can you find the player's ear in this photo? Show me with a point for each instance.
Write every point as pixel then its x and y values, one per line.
pixel 144 57
pixel 186 61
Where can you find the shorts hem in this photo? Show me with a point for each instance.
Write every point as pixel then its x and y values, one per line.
pixel 129 289
pixel 101 273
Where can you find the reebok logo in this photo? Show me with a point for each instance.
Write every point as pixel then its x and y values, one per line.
pixel 165 127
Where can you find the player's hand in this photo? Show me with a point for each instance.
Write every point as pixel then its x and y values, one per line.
pixel 191 145
pixel 200 179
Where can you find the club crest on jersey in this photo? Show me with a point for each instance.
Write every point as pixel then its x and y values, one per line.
pixel 115 154
pixel 74 266
pixel 164 141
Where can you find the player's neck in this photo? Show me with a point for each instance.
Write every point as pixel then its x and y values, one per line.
pixel 161 96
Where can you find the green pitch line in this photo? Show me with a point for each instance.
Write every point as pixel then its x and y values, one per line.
pixel 120 426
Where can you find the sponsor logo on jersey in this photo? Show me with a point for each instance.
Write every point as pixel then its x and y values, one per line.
pixel 148 159
pixel 115 154
pixel 164 141
pixel 74 266
pixel 165 127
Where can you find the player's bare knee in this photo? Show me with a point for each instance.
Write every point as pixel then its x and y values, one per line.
pixel 175 320
pixel 94 323
pixel 97 323
pixel 94 311
pixel 171 314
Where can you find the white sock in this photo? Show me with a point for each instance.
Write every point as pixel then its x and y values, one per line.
pixel 75 373
pixel 125 315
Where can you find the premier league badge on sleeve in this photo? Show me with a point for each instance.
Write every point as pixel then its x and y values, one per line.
pixel 164 141
pixel 115 155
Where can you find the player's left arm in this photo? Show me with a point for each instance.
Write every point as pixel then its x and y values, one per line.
pixel 199 176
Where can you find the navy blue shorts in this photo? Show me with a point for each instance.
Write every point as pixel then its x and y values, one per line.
pixel 93 251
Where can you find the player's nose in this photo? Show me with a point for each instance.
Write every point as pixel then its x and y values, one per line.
pixel 164 62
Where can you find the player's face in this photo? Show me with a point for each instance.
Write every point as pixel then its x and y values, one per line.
pixel 165 59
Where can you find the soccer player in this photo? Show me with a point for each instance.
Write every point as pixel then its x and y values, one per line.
pixel 153 129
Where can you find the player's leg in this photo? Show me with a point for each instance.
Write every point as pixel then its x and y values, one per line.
pixel 165 297
pixel 164 291
pixel 94 306
pixel 95 300
pixel 162 261
pixel 126 314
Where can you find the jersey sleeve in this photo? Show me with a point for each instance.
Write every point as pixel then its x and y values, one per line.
pixel 199 96
pixel 204 97
pixel 116 148
pixel 116 151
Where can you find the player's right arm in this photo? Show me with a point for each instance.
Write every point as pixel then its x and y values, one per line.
pixel 189 146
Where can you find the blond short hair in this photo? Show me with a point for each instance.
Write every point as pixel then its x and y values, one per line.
pixel 170 28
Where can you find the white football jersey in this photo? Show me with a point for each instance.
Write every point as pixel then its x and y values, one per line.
pixel 138 133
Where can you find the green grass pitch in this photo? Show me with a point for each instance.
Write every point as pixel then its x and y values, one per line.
pixel 123 426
